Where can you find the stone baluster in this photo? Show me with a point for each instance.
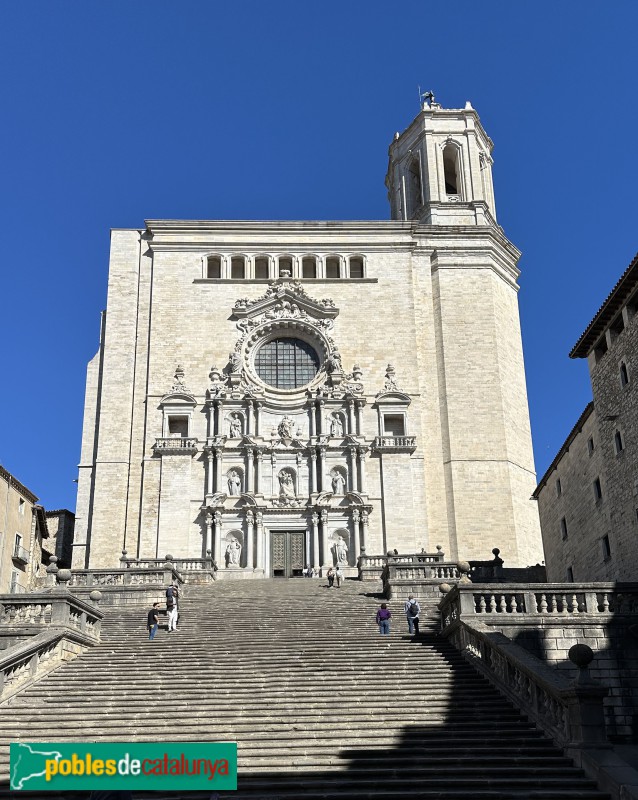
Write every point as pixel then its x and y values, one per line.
pixel 250 536
pixel 315 540
pixel 250 483
pixel 591 603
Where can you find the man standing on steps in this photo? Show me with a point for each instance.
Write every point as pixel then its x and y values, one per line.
pixel 412 610
pixel 153 621
pixel 338 576
pixel 171 607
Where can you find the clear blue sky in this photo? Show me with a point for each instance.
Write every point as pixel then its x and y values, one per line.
pixel 113 112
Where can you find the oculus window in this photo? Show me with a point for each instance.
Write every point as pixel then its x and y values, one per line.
pixel 286 363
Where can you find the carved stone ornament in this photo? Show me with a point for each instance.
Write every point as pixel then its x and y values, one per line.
pixel 390 384
pixel 179 390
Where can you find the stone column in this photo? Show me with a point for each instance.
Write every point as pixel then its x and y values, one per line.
pixel 321 470
pixel 218 417
pixel 355 534
pixel 362 471
pixel 324 538
pixel 250 536
pixel 250 487
pixel 352 428
pixel 218 537
pixel 311 420
pixel 358 414
pixel 218 481
pixel 259 455
pixel 260 540
pixel 313 468
pixel 210 419
pixel 352 472
pixel 257 419
pixel 320 406
pixel 249 418
pixel 364 531
pixel 315 540
pixel 210 471
pixel 208 544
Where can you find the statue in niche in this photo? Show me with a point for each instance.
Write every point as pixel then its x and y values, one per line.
pixel 338 482
pixel 285 428
pixel 286 485
pixel 235 426
pixel 234 483
pixel 336 427
pixel 341 550
pixel 233 553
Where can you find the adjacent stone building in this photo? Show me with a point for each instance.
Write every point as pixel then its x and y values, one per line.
pixel 588 498
pixel 23 536
pixel 291 393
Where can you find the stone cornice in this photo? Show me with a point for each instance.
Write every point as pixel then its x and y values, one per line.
pixel 19 487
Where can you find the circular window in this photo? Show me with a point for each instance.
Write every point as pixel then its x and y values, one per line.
pixel 286 363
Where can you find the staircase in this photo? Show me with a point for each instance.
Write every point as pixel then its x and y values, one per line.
pixel 320 704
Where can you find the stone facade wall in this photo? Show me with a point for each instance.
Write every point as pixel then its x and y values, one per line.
pixel 446 318
pixel 17 518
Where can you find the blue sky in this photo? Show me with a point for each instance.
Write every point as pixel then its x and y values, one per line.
pixel 115 112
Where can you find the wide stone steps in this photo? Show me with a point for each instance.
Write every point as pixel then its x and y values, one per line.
pixel 320 704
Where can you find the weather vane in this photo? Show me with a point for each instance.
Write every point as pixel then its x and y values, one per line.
pixel 429 96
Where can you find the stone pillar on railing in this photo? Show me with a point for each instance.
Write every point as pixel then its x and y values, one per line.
pixel 168 567
pixel 52 571
pixel 585 703
pixel 364 530
pixel 60 607
pixel 591 603
pixel 529 598
pixel 466 603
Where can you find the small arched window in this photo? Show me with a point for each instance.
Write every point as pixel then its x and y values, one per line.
pixel 332 267
pixel 238 268
pixel 415 187
pixel 285 267
pixel 214 267
pixel 309 267
pixel 261 268
pixel 451 170
pixel 356 267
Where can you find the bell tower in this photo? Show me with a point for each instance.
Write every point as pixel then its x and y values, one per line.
pixel 440 168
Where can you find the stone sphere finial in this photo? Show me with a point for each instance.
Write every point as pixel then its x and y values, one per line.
pixel 496 552
pixel 168 557
pixel 95 596
pixel 63 576
pixel 464 569
pixel 581 654
pixel 444 588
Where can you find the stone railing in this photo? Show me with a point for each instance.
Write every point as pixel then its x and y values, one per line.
pixel 571 712
pixel 402 578
pixel 42 630
pixel 371 567
pixel 126 586
pixel 394 444
pixel 546 620
pixel 175 445
pixel 179 564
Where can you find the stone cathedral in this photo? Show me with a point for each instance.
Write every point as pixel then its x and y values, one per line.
pixel 282 394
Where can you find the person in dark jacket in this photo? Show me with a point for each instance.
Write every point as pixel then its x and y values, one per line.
pixel 383 619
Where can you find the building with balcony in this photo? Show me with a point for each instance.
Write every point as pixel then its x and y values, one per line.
pixel 588 498
pixel 289 393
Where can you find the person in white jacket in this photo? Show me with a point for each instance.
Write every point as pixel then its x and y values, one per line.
pixel 412 610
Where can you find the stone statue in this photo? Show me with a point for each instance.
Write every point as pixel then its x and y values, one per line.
pixel 233 552
pixel 235 426
pixel 333 363
pixel 234 483
pixel 338 482
pixel 341 550
pixel 286 485
pixel 286 427
pixel 336 428
pixel 235 361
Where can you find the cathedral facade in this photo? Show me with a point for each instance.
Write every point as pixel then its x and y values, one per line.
pixel 279 394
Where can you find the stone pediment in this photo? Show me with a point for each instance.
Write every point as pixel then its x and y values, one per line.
pixel 285 298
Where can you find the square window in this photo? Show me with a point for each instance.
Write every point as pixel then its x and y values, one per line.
pixel 261 268
pixel 237 268
pixel 214 267
pixel 356 267
pixel 393 425
pixel 332 268
pixel 178 427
